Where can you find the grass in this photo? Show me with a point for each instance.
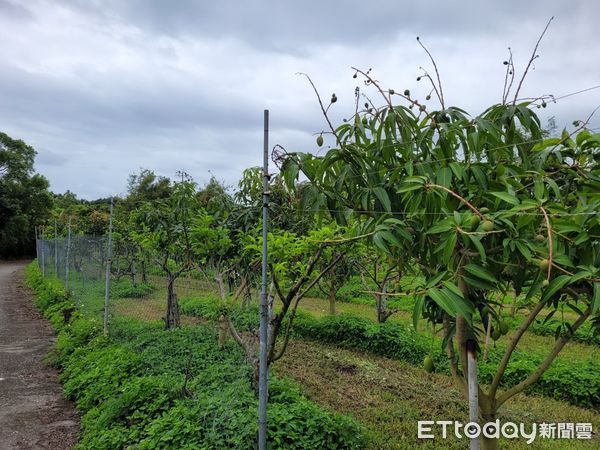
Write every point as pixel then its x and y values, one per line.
pixel 145 387
pixel 573 351
pixel 317 307
pixel 389 396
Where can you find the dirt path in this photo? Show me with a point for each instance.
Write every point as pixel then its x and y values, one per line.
pixel 33 412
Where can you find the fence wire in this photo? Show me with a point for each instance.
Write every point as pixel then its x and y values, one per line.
pixel 138 286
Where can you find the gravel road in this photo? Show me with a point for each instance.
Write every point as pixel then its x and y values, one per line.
pixel 33 412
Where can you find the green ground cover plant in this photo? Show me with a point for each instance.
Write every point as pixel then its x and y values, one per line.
pixel 576 383
pixel 144 387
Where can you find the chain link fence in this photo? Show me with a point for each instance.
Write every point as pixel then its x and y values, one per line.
pixel 137 285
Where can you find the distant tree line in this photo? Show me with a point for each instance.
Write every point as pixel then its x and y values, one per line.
pixel 24 198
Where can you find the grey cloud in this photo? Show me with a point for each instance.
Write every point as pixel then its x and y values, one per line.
pixel 51 158
pixel 15 10
pixel 349 22
pixel 101 88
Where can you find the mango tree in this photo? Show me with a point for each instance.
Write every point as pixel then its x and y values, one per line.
pixel 379 266
pixel 295 264
pixel 212 247
pixel 478 204
pixel 163 230
pixel 333 280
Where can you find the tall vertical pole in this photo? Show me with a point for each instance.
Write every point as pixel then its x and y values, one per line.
pixel 108 264
pixel 263 371
pixel 68 252
pixel 55 249
pixel 37 246
pixel 43 248
pixel 473 390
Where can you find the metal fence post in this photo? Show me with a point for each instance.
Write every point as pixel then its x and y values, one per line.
pixel 67 258
pixel 43 248
pixel 108 264
pixel 263 370
pixel 37 246
pixel 55 249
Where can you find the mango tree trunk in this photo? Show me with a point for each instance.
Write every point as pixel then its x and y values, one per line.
pixel 488 416
pixel 144 277
pixel 332 300
pixel 172 318
pixel 133 272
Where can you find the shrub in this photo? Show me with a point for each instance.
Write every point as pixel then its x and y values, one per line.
pixel 575 382
pixel 144 387
pixel 585 333
pixel 121 418
pixel 353 289
pixel 95 372
pixel 124 289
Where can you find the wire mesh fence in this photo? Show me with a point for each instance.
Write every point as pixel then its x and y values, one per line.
pixel 78 262
pixel 137 285
pixel 181 357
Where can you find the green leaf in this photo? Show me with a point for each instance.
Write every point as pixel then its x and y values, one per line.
pixel 383 197
pixel 524 249
pixel 477 243
pixel 435 280
pixel 444 177
pixel 580 276
pixel 478 283
pixel 526 205
pixel 462 306
pixel 441 227
pixel 596 298
pixel 379 242
pixel 442 300
pixel 539 190
pixel 582 136
pixel 581 238
pixel 452 287
pixel 524 220
pixel 388 236
pixel 417 179
pixel 407 187
pixel 545 144
pixel 508 198
pixel 480 177
pixel 449 247
pixel 535 287
pixel 555 285
pixel 418 310
pixel 562 260
pixel 554 188
pixel 481 273
pixel 457 169
pixel 549 316
pixel 575 308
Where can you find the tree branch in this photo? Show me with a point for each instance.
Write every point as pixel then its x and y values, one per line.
pixel 322 107
pixel 276 284
pixel 560 343
pixel 549 231
pixel 454 194
pixel 296 303
pixel 451 354
pixel 511 347
pixel 437 73
pixel 533 57
pixel 510 70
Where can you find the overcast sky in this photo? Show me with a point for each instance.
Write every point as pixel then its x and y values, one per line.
pixel 104 88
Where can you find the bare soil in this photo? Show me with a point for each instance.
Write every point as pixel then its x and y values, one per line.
pixel 33 411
